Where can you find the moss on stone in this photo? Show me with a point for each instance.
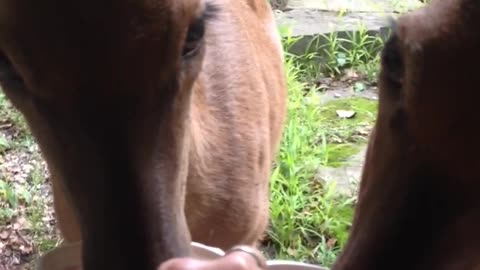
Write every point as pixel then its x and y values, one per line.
pixel 345 137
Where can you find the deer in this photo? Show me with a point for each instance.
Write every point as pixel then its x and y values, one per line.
pixel 159 120
pixel 418 205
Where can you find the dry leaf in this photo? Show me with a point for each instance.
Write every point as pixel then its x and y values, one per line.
pixel 345 114
pixel 4 235
pixel 20 223
pixel 331 242
pixel 351 73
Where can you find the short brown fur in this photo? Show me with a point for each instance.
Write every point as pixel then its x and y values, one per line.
pixel 145 145
pixel 418 204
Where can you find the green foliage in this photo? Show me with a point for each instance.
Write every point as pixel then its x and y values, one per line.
pixel 310 221
pixel 331 54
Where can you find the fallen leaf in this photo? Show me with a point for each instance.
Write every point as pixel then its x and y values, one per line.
pixel 20 223
pixel 4 235
pixel 363 131
pixel 331 242
pixel 351 73
pixel 345 113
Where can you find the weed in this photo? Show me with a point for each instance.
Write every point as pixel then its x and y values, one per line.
pixel 357 49
pixel 330 54
pixel 310 220
pixel 304 215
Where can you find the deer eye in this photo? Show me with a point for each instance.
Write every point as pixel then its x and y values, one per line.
pixel 194 38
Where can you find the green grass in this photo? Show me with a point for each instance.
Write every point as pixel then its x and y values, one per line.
pixel 309 220
pixel 11 139
pixel 330 54
pixel 305 216
pixel 16 134
pixel 26 200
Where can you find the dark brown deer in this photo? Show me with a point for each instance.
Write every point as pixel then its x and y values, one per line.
pixel 419 204
pixel 159 120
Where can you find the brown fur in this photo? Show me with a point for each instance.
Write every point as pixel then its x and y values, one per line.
pixel 143 145
pixel 418 205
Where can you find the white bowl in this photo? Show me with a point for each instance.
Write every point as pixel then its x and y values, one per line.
pixel 68 257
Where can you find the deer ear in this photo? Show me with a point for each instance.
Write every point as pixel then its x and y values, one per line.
pixel 10 81
pixel 392 61
pixel 9 78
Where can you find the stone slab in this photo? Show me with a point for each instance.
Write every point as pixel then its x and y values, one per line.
pixel 313 28
pixel 376 6
pixel 310 19
pixel 346 178
pixel 311 22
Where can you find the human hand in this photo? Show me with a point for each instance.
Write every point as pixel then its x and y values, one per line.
pixel 237 258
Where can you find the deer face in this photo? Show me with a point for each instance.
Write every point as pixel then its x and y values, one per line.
pixel 105 89
pixel 418 178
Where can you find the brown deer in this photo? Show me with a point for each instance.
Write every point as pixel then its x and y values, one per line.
pixel 419 204
pixel 159 120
